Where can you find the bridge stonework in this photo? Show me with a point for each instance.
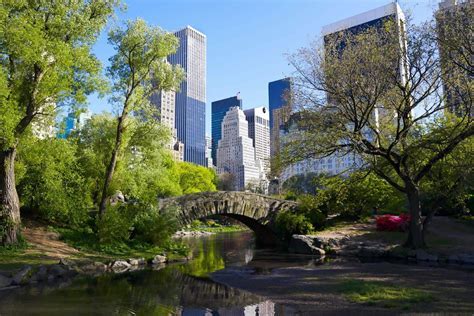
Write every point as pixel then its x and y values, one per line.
pixel 256 211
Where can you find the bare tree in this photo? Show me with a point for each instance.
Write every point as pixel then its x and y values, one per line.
pixel 378 93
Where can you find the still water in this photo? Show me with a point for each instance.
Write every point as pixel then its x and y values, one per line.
pixel 177 289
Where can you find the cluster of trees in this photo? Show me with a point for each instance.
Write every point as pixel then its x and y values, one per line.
pixel 416 142
pixel 47 64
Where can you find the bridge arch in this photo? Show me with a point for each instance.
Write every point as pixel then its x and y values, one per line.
pixel 256 211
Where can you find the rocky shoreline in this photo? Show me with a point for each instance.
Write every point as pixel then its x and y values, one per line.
pixel 345 247
pixel 67 269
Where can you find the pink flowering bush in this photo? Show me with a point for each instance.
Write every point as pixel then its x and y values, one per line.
pixel 392 222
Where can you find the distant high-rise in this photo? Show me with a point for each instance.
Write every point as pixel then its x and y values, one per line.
pixel 235 151
pixel 165 101
pixel 259 132
pixel 209 162
pixel 191 97
pixel 449 23
pixel 218 110
pixel 279 105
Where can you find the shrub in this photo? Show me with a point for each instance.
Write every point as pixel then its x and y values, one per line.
pixel 114 226
pixel 288 223
pixel 392 222
pixel 309 206
pixel 155 227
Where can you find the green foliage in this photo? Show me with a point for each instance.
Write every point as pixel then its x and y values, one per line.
pixel 195 179
pixel 356 196
pixel 155 227
pixel 115 226
pixel 381 293
pixel 288 223
pixel 51 183
pixel 308 205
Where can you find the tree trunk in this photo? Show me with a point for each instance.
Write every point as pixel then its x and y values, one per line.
pixel 415 236
pixel 9 202
pixel 111 167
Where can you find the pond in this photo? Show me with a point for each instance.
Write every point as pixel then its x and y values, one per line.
pixel 177 289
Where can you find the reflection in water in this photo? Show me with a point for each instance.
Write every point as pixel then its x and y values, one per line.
pixel 183 289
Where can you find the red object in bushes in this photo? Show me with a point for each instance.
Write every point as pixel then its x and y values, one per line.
pixel 392 222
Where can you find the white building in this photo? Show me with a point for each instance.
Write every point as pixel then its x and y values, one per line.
pixel 165 101
pixel 259 131
pixel 209 162
pixel 235 151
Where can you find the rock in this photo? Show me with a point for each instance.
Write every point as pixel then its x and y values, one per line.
pixel 116 198
pixel 42 274
pixel 94 268
pixel 466 259
pixel 422 255
pixel 137 262
pixel 372 252
pixel 23 276
pixel 120 266
pixel 66 262
pixel 57 271
pixel 5 281
pixel 303 244
pixel 159 259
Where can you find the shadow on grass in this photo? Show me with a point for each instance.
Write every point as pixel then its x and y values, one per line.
pixel 383 294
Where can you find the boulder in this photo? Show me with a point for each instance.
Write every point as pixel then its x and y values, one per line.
pixel 120 266
pixel 303 244
pixel 118 197
pixel 58 271
pixel 372 252
pixel 42 273
pixel 66 262
pixel 137 262
pixel 159 259
pixel 23 276
pixel 422 255
pixel 94 268
pixel 5 281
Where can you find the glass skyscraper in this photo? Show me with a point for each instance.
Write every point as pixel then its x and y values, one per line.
pixel 191 97
pixel 278 104
pixel 219 109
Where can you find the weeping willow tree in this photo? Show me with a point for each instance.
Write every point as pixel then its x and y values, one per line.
pixel 378 93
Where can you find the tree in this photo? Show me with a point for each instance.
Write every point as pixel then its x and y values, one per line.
pixel 46 62
pixel 226 182
pixel 138 69
pixel 343 85
pixel 194 178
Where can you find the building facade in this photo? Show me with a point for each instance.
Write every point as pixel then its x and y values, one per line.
pixel 74 122
pixel 259 131
pixel 218 111
pixel 209 161
pixel 235 151
pixel 190 114
pixel 165 101
pixel 454 80
pixel 279 105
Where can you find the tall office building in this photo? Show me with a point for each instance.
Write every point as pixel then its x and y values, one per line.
pixel 218 111
pixel 165 101
pixel 259 131
pixel 279 105
pixel 209 162
pixel 235 151
pixel 450 26
pixel 191 97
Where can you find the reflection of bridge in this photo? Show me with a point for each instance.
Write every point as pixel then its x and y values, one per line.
pixel 254 210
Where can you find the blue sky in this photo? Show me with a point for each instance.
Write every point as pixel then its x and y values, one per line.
pixel 247 40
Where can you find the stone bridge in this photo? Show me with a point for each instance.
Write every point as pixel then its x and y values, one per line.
pixel 256 211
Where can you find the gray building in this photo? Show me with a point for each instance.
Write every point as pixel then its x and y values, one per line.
pixel 191 98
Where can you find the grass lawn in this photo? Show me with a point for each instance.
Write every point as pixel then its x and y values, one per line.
pixel 383 294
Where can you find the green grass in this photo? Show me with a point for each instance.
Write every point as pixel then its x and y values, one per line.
pixel 15 256
pixel 220 229
pixel 88 242
pixel 383 294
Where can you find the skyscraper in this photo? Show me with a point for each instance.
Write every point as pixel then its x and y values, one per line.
pixel 218 110
pixel 191 97
pixel 165 101
pixel 259 132
pixel 450 28
pixel 279 95
pixel 235 151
